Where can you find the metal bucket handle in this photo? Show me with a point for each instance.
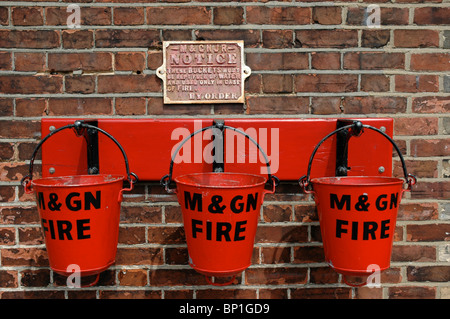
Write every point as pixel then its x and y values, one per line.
pixel 78 126
pixel 167 179
pixel 356 130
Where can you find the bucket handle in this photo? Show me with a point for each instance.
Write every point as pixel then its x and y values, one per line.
pixel 167 179
pixel 356 129
pixel 78 126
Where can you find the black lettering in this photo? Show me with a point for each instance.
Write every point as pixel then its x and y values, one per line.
pixel 43 222
pixel 82 227
pixel 252 201
pixel 394 200
pixel 239 230
pixel 233 207
pixel 223 230
pixel 384 229
pixel 90 199
pixel 208 230
pixel 345 200
pixel 191 203
pixel 339 229
pixel 75 205
pixel 64 228
pixel 196 229
pixel 381 205
pixel 41 200
pixel 52 229
pixel 355 230
pixel 369 228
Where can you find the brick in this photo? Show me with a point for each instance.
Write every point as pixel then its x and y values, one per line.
pixel 416 83
pixel 79 106
pixel 375 38
pixel 281 234
pixel 34 257
pixel 322 293
pixel 405 253
pixel 179 15
pixel 428 190
pixel 139 256
pixel 326 83
pixel 6 107
pixel 95 61
pixel 128 16
pixel 4 16
pixel 32 39
pixel 277 213
pixel 432 15
pixel 423 211
pixel 83 84
pixel 430 147
pixel 7 193
pixel 27 16
pixel 336 38
pixel 88 16
pixel 278 15
pixel 29 61
pixel 416 38
pixel 124 38
pixel 8 279
pixel 129 61
pixel 326 105
pixel 35 278
pixel 431 104
pixel 31 236
pixel 308 254
pixel 447 83
pixel 428 273
pixel 27 84
pixel 130 106
pixel 418 168
pixel 277 39
pixel 132 277
pixel 173 277
pixel 323 275
pixel 166 235
pixel 447 39
pixel 77 39
pixel 326 15
pixel 276 276
pixel 278 61
pixel 373 60
pixel 277 105
pixel 375 83
pixel 277 83
pixel 326 60
pixel 228 15
pixel 430 62
pixel 128 83
pixel 251 37
pixel 275 255
pixel 412 292
pixel 7 236
pixel 30 107
pixel 388 16
pixel 5 61
pixel 139 214
pixel 367 105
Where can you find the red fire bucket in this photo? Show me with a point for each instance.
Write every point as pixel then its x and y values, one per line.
pixel 357 216
pixel 220 216
pixel 79 215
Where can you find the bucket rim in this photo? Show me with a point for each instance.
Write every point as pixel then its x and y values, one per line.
pixel 264 180
pixel 376 181
pixel 113 178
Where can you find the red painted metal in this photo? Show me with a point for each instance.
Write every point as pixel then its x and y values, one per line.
pixel 150 142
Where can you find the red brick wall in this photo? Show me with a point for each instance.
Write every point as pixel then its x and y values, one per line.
pixel 309 59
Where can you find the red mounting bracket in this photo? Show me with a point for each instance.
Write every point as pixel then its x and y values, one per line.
pixel 149 144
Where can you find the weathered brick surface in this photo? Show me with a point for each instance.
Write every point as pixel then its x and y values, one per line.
pixel 309 59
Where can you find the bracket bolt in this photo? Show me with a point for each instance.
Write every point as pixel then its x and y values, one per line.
pixel 381 169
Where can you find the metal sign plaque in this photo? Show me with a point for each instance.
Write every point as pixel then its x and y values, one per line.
pixel 203 72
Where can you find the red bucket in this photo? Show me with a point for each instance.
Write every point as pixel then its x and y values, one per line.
pixel 357 217
pixel 79 216
pixel 220 216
